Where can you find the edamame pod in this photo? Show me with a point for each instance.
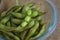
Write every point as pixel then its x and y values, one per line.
pixel 27 18
pixel 38 8
pixel 5 20
pixel 18 9
pixel 29 12
pixel 18 15
pixel 35 13
pixel 38 18
pixel 20 29
pixel 41 13
pixel 3 14
pixel 23 34
pixel 3 27
pixel 24 24
pixel 6 37
pixel 40 33
pixel 32 31
pixel 11 34
pixel 12 9
pixel 30 25
pixel 27 7
pixel 30 4
pixel 16 21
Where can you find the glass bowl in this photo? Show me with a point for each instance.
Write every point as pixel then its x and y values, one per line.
pixel 50 17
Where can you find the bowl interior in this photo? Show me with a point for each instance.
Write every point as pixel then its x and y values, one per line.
pixel 44 7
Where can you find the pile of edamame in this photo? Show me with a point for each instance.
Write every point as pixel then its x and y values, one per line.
pixel 22 22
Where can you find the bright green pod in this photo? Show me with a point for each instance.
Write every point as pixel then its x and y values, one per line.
pixel 18 15
pixel 17 29
pixel 29 12
pixel 30 24
pixel 27 18
pixel 35 13
pixel 24 24
pixel 41 32
pixel 5 20
pixel 38 18
pixel 12 8
pixel 11 34
pixel 16 21
pixel 32 31
pixel 27 7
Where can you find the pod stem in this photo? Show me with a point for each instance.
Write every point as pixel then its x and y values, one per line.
pixel 17 3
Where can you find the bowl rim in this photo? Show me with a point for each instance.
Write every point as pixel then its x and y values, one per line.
pixel 52 26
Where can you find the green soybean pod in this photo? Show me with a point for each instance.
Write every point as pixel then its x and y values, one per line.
pixel 16 21
pixel 38 18
pixel 42 22
pixel 18 9
pixel 27 7
pixel 6 37
pixel 11 34
pixel 3 27
pixel 30 24
pixel 17 29
pixel 24 24
pixel 18 15
pixel 30 4
pixel 27 18
pixel 12 8
pixel 13 25
pixel 29 12
pixel 32 30
pixel 8 24
pixel 35 13
pixel 5 20
pixel 38 8
pixel 42 13
pixel 41 32
pixel 3 14
pixel 23 34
